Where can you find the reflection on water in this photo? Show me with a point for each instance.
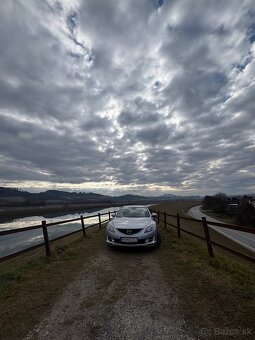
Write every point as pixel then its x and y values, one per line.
pixel 16 242
pixel 45 216
pixel 21 222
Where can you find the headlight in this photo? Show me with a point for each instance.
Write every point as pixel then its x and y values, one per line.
pixel 150 228
pixel 110 228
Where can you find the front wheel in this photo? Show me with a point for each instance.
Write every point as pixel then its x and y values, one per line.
pixel 158 243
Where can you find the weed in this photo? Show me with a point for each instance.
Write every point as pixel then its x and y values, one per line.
pixel 61 249
pixel 8 279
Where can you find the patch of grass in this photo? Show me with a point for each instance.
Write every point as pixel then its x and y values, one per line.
pixel 66 252
pixel 31 283
pixel 224 217
pixel 36 263
pixel 8 280
pixel 215 293
pixel 183 207
pixel 174 207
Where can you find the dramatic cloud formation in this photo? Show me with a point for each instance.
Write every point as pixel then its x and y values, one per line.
pixel 142 96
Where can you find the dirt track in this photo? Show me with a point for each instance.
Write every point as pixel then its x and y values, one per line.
pixel 118 295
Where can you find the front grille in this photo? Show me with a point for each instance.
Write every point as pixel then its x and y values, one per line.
pixel 129 231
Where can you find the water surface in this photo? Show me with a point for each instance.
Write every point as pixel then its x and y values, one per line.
pixel 15 242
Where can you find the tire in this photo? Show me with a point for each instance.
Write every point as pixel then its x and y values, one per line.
pixel 158 243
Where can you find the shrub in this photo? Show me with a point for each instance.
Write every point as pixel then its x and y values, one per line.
pixel 217 203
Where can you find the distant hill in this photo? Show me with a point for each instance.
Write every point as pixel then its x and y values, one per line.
pixel 14 196
pixel 168 196
pixel 56 195
pixel 11 195
pixel 177 197
pixel 12 192
pixel 131 198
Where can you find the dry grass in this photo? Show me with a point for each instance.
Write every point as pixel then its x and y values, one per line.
pixel 216 293
pixel 31 283
pixel 224 217
pixel 183 207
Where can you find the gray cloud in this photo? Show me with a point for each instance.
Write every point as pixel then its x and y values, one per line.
pixel 143 119
pixel 148 95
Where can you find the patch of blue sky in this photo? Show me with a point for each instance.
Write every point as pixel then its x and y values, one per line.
pixel 71 21
pixel 158 3
pixel 251 34
pixel 242 66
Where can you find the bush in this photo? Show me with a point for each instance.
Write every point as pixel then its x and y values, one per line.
pixel 220 203
pixel 217 203
pixel 245 214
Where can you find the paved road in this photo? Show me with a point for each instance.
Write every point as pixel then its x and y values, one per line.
pixel 247 240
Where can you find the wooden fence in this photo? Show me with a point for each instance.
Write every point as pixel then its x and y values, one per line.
pixel 162 216
pixel 44 227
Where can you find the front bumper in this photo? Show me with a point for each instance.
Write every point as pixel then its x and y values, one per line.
pixel 143 240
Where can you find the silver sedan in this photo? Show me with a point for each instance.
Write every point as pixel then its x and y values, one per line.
pixel 133 226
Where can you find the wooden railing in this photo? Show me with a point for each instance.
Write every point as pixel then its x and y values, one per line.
pixel 162 216
pixel 44 227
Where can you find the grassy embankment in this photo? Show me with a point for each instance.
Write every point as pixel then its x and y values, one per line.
pixel 224 217
pixel 197 228
pixel 227 217
pixel 213 293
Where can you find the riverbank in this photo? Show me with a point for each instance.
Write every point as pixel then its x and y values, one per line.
pixel 30 211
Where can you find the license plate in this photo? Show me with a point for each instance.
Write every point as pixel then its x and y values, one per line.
pixel 129 239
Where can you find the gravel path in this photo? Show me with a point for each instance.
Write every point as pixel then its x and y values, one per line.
pixel 118 295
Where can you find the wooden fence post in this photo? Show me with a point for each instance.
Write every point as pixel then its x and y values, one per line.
pixel 46 238
pixel 83 226
pixel 165 219
pixel 158 216
pixel 207 236
pixel 178 225
pixel 109 215
pixel 99 220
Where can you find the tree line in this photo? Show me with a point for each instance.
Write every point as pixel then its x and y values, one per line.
pixel 219 204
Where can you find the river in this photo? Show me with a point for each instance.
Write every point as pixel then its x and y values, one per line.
pixel 15 242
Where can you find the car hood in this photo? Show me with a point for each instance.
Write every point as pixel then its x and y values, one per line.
pixel 132 222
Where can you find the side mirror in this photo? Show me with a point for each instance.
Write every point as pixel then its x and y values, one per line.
pixel 154 215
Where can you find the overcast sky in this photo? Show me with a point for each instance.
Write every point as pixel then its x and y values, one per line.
pixel 144 97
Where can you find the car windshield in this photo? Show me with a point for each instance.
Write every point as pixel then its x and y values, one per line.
pixel 133 212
